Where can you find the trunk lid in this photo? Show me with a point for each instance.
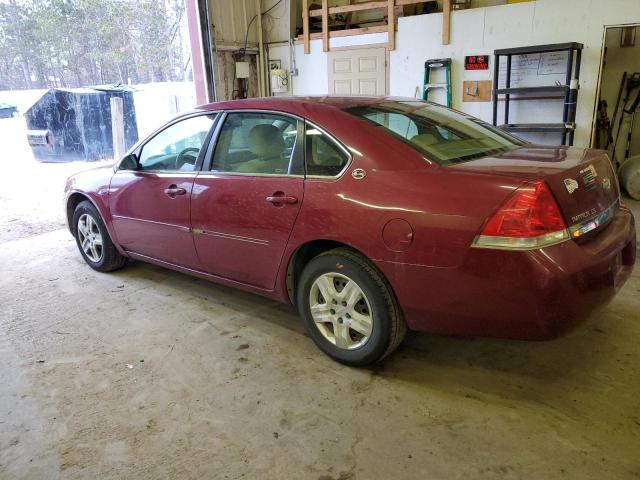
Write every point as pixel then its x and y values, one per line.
pixel 582 181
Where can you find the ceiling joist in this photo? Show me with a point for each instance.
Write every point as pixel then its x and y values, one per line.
pixel 390 28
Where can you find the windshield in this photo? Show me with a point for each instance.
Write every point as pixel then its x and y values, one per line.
pixel 443 135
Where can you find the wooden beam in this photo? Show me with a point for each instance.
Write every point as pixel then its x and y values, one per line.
pixel 327 34
pixel 400 3
pixel 379 5
pixel 117 127
pixel 346 33
pixel 305 26
pixel 391 24
pixel 350 8
pixel 446 22
pixel 325 25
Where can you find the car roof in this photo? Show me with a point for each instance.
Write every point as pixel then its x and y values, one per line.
pixel 300 104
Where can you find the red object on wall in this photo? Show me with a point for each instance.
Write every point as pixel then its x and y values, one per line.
pixel 476 62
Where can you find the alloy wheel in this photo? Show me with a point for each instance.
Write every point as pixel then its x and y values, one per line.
pixel 90 238
pixel 341 310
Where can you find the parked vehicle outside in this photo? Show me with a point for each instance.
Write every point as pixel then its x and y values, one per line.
pixel 7 110
pixel 370 215
pixel 70 124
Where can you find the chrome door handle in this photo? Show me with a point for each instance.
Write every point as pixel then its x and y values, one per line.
pixel 174 190
pixel 282 199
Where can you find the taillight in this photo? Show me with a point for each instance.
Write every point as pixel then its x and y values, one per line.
pixel 530 218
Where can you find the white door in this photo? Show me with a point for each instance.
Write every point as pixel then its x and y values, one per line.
pixel 357 72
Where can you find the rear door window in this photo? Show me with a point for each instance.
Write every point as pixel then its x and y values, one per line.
pixel 256 143
pixel 324 157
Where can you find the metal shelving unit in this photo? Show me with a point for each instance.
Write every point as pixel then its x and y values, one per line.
pixel 568 91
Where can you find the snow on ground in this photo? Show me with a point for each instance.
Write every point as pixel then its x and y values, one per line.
pixel 23 99
pixel 31 198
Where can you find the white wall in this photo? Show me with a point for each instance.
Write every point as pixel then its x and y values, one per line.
pixel 485 29
pixel 474 32
pixel 477 31
pixel 313 77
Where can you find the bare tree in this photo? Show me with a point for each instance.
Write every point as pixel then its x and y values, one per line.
pixel 48 43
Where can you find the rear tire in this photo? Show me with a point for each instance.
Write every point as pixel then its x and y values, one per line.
pixel 93 239
pixel 359 322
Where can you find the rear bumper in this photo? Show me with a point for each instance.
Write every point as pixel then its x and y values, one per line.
pixel 532 295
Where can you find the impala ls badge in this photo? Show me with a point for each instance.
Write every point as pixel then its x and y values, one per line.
pixel 571 185
pixel 358 174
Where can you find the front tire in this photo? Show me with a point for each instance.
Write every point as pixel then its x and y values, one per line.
pixel 93 239
pixel 348 308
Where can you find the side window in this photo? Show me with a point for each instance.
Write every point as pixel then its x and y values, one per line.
pixel 324 157
pixel 177 147
pixel 261 143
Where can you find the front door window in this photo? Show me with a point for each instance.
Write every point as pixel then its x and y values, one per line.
pixel 177 147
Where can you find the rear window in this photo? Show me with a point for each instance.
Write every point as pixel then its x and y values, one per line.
pixel 443 135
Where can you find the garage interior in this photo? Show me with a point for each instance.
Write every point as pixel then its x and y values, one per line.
pixel 150 373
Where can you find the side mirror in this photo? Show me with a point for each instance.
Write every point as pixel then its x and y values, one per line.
pixel 130 162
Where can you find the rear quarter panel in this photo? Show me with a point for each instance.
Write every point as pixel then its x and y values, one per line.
pixel 445 209
pixel 444 206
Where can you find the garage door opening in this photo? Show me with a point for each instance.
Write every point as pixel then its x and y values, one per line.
pixel 617 128
pixel 80 83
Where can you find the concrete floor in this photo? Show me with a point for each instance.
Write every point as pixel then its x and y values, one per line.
pixel 147 373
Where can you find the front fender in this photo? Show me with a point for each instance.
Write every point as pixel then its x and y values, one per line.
pixel 91 186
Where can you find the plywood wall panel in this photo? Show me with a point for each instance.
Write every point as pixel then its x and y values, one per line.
pixel 230 20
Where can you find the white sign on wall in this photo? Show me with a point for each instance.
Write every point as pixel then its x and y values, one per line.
pixel 535 69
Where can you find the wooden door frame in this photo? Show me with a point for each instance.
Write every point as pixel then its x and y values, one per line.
pixel 594 115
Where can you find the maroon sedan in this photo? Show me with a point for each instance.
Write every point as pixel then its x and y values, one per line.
pixel 370 215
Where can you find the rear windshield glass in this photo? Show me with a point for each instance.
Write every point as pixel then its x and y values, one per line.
pixel 442 135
